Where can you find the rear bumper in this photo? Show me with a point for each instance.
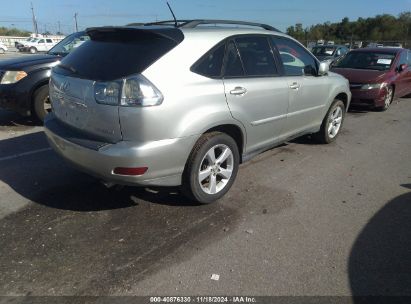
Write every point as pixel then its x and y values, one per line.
pixel 374 97
pixel 165 159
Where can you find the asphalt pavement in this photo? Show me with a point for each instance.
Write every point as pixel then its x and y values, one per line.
pixel 301 219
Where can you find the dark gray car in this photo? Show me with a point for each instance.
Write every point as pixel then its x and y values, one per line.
pixel 329 53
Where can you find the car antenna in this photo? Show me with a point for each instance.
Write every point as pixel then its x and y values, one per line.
pixel 172 13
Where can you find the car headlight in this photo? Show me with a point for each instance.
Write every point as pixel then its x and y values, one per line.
pixel 12 77
pixel 373 86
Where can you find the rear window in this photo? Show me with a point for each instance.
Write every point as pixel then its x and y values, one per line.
pixel 112 56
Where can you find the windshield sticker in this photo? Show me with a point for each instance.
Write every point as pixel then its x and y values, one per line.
pixel 384 61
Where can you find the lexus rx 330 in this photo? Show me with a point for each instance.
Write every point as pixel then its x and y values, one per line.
pixel 184 105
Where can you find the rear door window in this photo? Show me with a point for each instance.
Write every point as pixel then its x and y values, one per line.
pixel 114 55
pixel 256 56
pixel 233 65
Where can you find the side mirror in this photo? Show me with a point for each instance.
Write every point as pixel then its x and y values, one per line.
pixel 324 68
pixel 402 67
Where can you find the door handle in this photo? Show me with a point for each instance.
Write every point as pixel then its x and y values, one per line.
pixel 238 91
pixel 294 86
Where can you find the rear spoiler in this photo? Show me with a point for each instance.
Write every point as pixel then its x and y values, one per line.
pixel 129 33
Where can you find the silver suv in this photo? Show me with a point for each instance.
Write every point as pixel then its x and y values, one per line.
pixel 184 105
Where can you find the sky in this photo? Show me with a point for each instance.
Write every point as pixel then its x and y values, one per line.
pixel 280 14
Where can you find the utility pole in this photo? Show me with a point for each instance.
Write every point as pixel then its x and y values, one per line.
pixel 75 21
pixel 59 27
pixel 34 20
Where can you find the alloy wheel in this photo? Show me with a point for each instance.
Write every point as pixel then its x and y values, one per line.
pixel 335 121
pixel 47 105
pixel 216 169
pixel 388 98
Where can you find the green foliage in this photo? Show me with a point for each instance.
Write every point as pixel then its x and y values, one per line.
pixel 379 28
pixel 4 31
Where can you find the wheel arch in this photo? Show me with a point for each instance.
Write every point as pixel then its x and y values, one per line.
pixel 233 131
pixel 33 90
pixel 344 98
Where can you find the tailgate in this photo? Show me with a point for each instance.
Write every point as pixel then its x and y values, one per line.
pixel 74 104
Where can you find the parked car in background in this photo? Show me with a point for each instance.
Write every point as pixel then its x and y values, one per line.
pixel 20 44
pixel 24 80
pixel 377 76
pixel 394 45
pixel 38 45
pixel 357 45
pixel 374 45
pixel 3 48
pixel 168 106
pixel 329 53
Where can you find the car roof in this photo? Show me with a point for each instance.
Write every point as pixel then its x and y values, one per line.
pixel 380 50
pixel 331 45
pixel 178 33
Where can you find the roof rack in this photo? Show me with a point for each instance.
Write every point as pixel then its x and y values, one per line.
pixel 197 22
pixel 168 22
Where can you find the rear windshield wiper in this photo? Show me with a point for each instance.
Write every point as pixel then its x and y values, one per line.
pixel 67 67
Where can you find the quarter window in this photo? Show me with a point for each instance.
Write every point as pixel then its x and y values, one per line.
pixel 296 60
pixel 211 63
pixel 256 56
pixel 49 41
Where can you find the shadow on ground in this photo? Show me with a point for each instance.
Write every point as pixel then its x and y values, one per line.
pixel 15 122
pixel 78 237
pixel 380 260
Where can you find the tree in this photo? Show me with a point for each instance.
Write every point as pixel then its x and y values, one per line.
pixel 4 31
pixel 379 28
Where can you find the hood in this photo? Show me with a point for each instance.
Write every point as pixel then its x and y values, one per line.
pixel 362 76
pixel 28 61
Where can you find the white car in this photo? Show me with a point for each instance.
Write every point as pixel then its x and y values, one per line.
pixel 3 48
pixel 39 45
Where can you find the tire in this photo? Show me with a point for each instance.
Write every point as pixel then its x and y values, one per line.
pixel 387 100
pixel 2 51
pixel 40 103
pixel 33 50
pixel 332 123
pixel 223 174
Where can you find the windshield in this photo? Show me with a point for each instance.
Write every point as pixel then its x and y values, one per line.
pixel 69 43
pixel 324 50
pixel 367 61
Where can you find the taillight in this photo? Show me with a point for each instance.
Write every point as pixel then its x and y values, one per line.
pixel 139 91
pixel 134 91
pixel 107 92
